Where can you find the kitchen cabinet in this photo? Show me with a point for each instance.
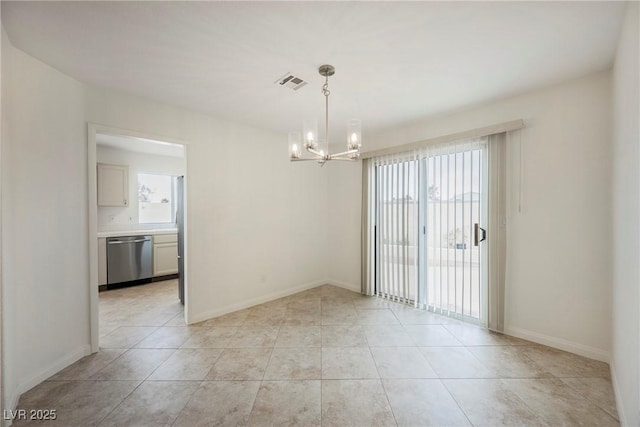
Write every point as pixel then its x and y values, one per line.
pixel 165 254
pixel 113 185
pixel 102 261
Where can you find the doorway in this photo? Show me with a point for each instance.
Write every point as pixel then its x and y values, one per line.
pixel 137 193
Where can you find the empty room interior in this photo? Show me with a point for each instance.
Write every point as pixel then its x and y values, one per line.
pixel 320 213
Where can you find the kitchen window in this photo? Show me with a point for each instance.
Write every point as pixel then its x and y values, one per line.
pixel 156 199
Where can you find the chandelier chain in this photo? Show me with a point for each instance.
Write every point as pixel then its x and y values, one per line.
pixel 326 92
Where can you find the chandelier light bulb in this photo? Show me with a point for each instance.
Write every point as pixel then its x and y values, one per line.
pixel 354 136
pixel 310 132
pixel 295 152
pixel 295 140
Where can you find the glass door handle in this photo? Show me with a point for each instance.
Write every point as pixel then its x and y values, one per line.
pixel 476 230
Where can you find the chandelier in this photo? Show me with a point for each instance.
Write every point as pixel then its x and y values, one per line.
pixel 310 133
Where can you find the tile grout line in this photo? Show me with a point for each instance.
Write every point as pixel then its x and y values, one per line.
pixel 187 403
pixel 585 397
pixel 203 381
pixel 118 405
pixel 263 374
pixel 135 388
pixel 524 402
pixel 456 401
pixel 384 389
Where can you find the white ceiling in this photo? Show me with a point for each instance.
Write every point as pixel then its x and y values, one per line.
pixel 139 145
pixel 396 61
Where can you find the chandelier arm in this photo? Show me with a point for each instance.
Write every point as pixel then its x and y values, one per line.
pixel 344 159
pixel 304 160
pixel 344 153
pixel 317 153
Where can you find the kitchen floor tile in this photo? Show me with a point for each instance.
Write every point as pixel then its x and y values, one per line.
pixel 219 403
pixel 88 365
pixel 423 403
pixel 294 364
pixel 240 364
pixel 254 336
pixel 187 364
pixel 167 337
pixel 215 337
pixel 401 362
pixel 290 403
pixel 347 363
pixel 153 403
pixel 126 336
pixel 455 362
pixel 299 336
pixel 135 364
pixel 77 403
pixel 355 403
pixel 489 402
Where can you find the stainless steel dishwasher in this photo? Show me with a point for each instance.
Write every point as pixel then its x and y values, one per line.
pixel 129 258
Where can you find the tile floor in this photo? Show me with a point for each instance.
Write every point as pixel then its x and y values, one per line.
pixel 325 356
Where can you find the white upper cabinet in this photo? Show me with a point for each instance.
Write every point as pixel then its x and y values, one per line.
pixel 113 185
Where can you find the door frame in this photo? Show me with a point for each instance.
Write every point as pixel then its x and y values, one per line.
pixel 92 130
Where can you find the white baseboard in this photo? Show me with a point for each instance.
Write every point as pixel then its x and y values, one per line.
pixel 254 301
pixel 44 373
pixel 559 343
pixel 618 396
pixel 345 285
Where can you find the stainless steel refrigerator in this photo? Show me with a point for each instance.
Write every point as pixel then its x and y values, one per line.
pixel 180 224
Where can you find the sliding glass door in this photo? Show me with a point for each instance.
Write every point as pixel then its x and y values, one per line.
pixel 453 223
pixel 431 211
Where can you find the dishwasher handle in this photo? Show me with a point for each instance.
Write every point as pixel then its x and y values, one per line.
pixel 119 242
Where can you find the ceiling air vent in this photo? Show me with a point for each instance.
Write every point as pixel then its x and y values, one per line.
pixel 290 81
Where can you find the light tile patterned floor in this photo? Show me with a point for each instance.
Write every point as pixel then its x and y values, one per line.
pixel 325 356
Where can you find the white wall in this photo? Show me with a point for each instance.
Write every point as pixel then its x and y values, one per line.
pixel 345 199
pixel 126 218
pixel 44 220
pixel 626 220
pixel 559 266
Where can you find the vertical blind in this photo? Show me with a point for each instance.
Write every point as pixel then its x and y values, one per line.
pixel 396 214
pixel 419 213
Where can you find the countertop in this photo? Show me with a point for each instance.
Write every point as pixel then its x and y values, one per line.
pixel 137 232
